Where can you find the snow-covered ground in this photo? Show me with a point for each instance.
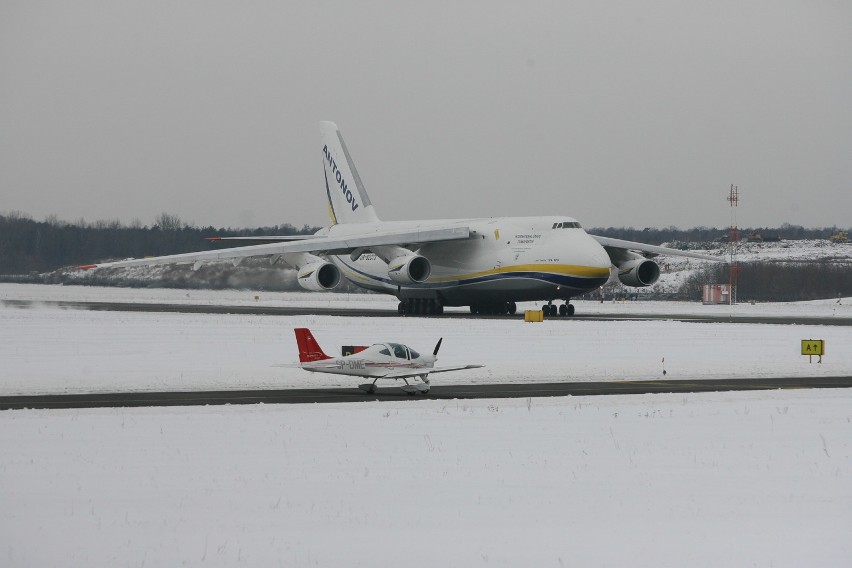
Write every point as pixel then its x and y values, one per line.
pixel 57 293
pixel 46 349
pixel 676 270
pixel 713 479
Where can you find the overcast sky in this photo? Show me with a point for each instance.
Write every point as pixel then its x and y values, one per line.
pixel 616 113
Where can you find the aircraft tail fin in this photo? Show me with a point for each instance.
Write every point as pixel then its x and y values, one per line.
pixel 348 201
pixel 309 349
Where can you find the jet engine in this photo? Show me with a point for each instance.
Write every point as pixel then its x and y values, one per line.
pixel 319 276
pixel 638 272
pixel 409 269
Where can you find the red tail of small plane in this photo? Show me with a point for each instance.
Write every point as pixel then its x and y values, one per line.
pixel 309 349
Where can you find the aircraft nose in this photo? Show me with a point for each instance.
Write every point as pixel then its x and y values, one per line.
pixel 601 258
pixel 596 255
pixel 598 260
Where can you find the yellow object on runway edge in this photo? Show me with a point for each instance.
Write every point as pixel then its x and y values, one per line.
pixel 533 315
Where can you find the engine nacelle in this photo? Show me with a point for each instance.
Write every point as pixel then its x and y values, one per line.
pixel 638 272
pixel 318 276
pixel 409 269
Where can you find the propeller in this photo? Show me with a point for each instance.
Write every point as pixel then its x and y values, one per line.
pixel 437 346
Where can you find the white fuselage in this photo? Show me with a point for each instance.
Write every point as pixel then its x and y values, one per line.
pixel 506 259
pixel 375 362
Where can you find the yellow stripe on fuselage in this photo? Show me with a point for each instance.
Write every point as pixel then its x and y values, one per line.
pixel 566 269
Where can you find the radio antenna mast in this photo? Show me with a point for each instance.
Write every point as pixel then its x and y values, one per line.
pixel 733 240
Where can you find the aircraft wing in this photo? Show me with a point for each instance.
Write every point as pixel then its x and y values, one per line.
pixel 426 371
pixel 264 239
pixel 315 244
pixel 651 250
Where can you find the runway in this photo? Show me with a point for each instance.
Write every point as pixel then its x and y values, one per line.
pixel 390 393
pixel 362 312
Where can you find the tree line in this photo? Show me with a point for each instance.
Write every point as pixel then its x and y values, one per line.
pixel 672 234
pixel 28 246
pixel 777 281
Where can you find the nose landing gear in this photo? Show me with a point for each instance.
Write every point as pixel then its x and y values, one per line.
pixel 565 310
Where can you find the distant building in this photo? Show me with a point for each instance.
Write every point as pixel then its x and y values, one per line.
pixel 716 294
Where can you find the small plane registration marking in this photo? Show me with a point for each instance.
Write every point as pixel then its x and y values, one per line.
pixel 350 364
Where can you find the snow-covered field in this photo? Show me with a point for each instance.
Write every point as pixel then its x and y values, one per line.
pixel 47 349
pixel 718 479
pixel 730 479
pixel 56 293
pixel 677 269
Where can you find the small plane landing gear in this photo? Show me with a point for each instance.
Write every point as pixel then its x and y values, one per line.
pixel 414 390
pixel 369 388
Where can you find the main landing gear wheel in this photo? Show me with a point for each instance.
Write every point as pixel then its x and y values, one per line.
pixel 414 390
pixel 494 308
pixel 419 306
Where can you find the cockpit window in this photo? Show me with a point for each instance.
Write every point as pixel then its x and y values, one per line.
pixel 385 352
pixel 567 225
pixel 414 354
pixel 398 350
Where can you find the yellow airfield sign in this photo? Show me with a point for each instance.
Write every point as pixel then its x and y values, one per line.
pixel 813 347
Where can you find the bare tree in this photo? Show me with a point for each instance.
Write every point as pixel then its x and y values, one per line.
pixel 167 222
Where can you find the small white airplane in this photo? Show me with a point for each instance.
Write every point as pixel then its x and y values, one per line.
pixel 378 361
pixel 488 264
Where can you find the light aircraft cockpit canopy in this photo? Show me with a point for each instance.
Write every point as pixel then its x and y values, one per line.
pixel 396 350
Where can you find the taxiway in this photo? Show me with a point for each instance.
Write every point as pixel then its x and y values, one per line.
pixel 438 392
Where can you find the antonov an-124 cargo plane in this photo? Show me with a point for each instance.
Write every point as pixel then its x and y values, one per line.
pixel 487 264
